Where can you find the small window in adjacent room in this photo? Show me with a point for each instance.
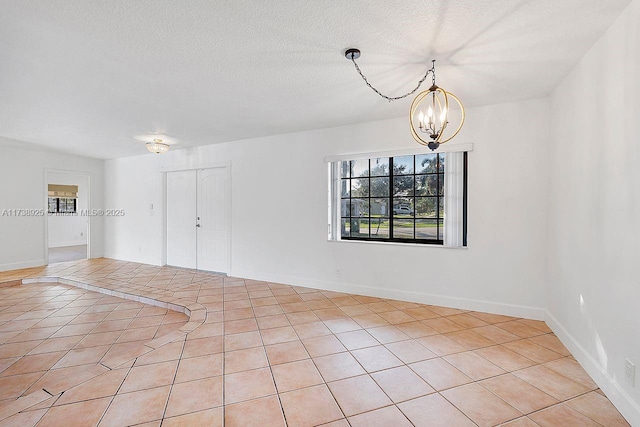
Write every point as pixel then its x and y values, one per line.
pixel 62 198
pixel 62 205
pixel 415 198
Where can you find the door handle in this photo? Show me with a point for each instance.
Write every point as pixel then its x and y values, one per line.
pixel 197 225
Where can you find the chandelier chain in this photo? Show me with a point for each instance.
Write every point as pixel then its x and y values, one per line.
pixel 432 70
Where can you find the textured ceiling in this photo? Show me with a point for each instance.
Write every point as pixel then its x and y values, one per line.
pixel 87 76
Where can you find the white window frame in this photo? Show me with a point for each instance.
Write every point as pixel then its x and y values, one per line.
pixel 455 188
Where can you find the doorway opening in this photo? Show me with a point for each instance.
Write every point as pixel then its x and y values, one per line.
pixel 67 222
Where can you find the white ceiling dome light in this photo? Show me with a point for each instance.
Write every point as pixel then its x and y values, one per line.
pixel 157 146
pixel 156 143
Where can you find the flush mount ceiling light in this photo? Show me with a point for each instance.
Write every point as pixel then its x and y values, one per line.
pixel 157 146
pixel 436 116
pixel 157 143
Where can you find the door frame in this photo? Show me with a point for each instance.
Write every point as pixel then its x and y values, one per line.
pixel 46 208
pixel 165 202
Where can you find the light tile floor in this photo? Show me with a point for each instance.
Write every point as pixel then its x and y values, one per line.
pixel 262 354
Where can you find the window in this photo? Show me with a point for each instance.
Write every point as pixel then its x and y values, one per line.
pixel 416 198
pixel 62 198
pixel 62 205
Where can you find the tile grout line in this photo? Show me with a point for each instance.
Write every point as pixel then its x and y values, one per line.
pixel 264 349
pixel 173 382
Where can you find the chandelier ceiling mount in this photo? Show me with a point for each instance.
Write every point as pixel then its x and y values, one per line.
pixel 432 110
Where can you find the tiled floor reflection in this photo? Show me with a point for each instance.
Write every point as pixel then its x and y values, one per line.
pixel 263 354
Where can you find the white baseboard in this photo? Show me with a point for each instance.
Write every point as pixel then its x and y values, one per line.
pixel 140 260
pixel 23 264
pixel 398 294
pixel 629 408
pixel 68 243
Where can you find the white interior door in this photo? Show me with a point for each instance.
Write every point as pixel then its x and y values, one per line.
pixel 213 220
pixel 181 219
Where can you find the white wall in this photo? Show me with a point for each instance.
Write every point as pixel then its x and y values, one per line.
pixel 594 247
pixel 22 186
pixel 279 213
pixel 67 229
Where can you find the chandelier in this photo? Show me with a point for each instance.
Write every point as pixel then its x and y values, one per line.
pixel 157 146
pixel 432 111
